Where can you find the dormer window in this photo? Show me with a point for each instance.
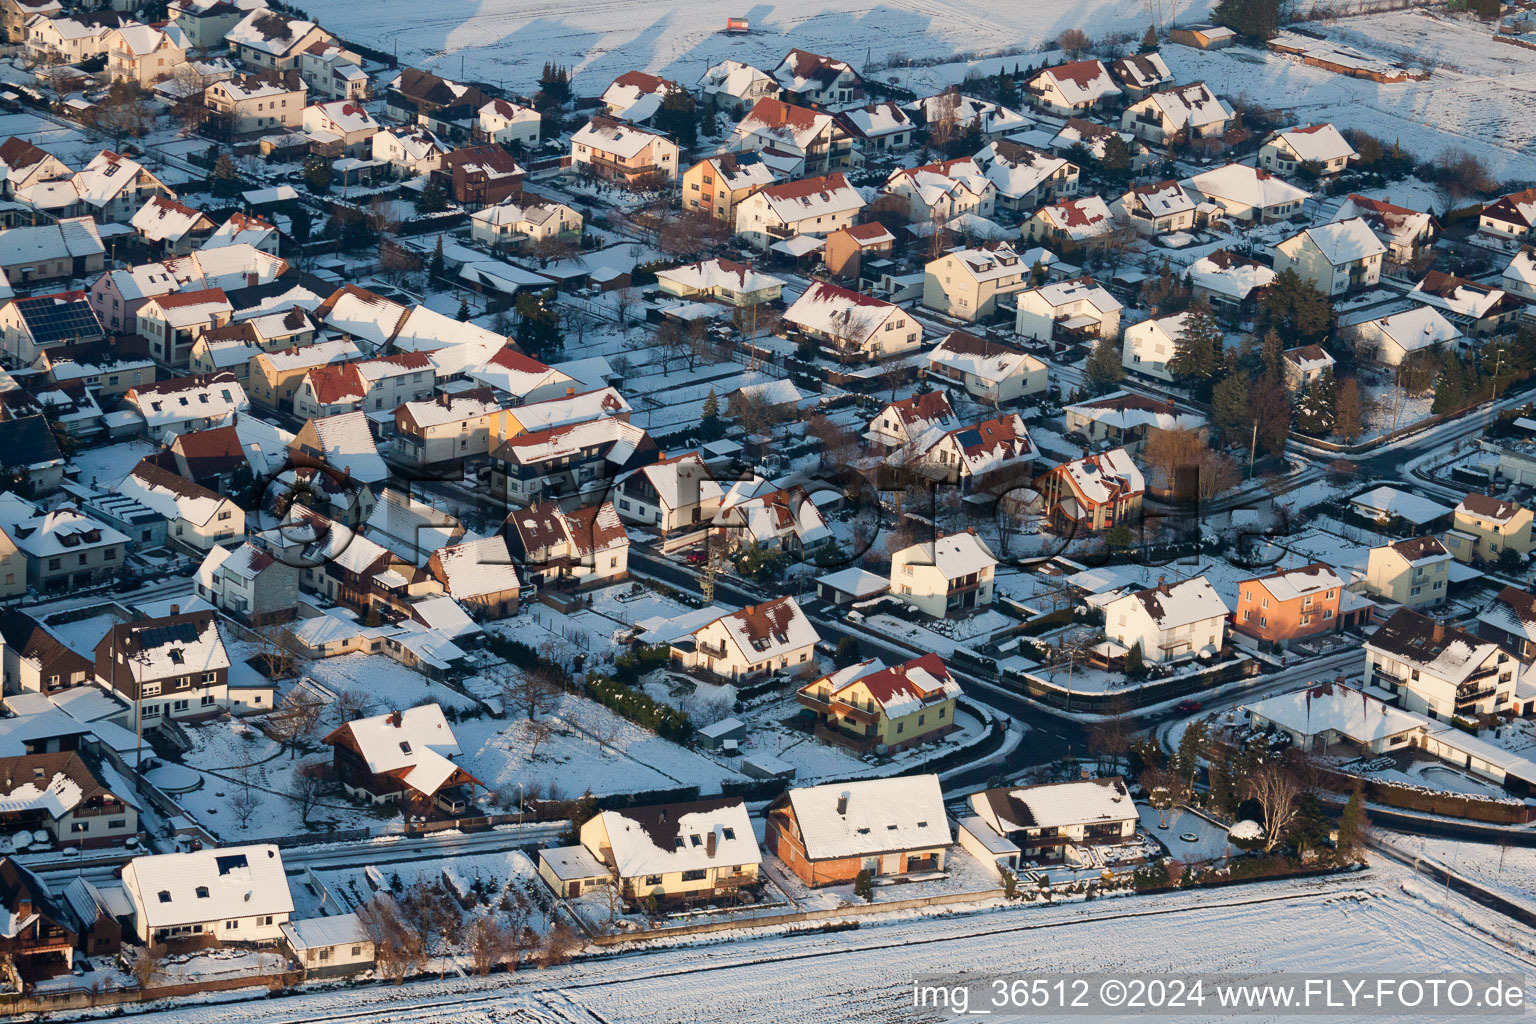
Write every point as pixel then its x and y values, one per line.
pixel 165 896
pixel 728 833
pixel 202 892
pixel 405 747
pixel 696 840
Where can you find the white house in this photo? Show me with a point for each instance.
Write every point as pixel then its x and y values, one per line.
pixel 1439 670
pixel 235 894
pixel 734 87
pixel 1183 110
pixel 1520 275
pixel 623 152
pixel 1171 621
pixel 411 151
pixel 914 423
pixel 1072 88
pixel 812 78
pixel 1320 146
pixel 503 121
pixel 1038 823
pixel 810 206
pixel 1025 177
pixel 1150 344
pixel 1071 220
pixel 942 191
pixel 1156 209
pixel 988 370
pixel 1335 258
pixel 1389 339
pixel 512 223
pixel 951 574
pixel 185 404
pixel 756 641
pixel 968 284
pixel 199 518
pixel 1407 233
pixel 1248 194
pixel 1075 308
pixel 672 493
pixel 853 324
pixel 145 54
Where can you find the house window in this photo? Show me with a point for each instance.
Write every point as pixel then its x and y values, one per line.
pixel 652 879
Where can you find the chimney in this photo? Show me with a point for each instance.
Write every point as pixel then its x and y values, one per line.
pixel 396 719
pixel 1160 580
pixel 842 802
pixel 711 843
pixel 175 609
pixel 570 392
pixel 1439 632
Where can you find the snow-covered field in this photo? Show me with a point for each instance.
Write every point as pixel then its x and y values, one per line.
pixel 1381 920
pixel 1511 871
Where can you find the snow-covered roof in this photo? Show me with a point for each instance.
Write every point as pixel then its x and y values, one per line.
pixel 719 275
pixel 680 837
pixel 870 816
pixel 1105 477
pixel 1417 328
pixel 1513 611
pixel 809 198
pixel 955 555
pixel 269 32
pixel 605 135
pixel 982 357
pixel 876 120
pixel 1444 651
pixel 172 496
pixel 1343 241
pixel 1080 289
pixel 1394 502
pixel 1246 186
pixel 899 690
pixel 413 745
pixel 851 317
pixel 682 480
pixel 767 631
pixel 733 78
pixel 477 568
pixel 349 447
pixel 43 534
pixel 1334 707
pixel 803 71
pixel 1225 273
pixel 855 581
pixel 1317 143
pixel 1191 106
pixel 1307 580
pixel 1057 805
pixel 166 220
pixel 988 263
pixel 1079 219
pixel 1458 296
pixel 326 932
pixel 1016 169
pixel 1080 82
pixel 1183 603
pixel 218 884
pixel 210 396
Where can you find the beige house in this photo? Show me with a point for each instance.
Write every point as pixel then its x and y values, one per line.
pixel 852 324
pixel 1170 622
pixel 144 54
pixel 272 40
pixel 235 894
pixel 446 428
pixel 809 206
pixel 627 153
pixel 14 15
pixel 1335 258
pixel 950 575
pixel 1185 110
pixel 969 284
pixel 199 519
pixel 276 376
pixel 1487 527
pixel 1072 310
pixel 716 184
pixel 259 103
pixel 1413 573
pixel 988 370
pixel 1320 146
pixel 64 548
pixel 1439 670
pixel 756 641
pixel 514 224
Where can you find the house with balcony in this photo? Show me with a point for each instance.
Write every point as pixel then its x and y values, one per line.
pixel 1091 494
pixel 878 128
pixel 333 71
pixel 1230 284
pixel 1320 147
pixel 577 548
pixel 853 326
pixel 449 427
pixel 1140 74
pixel 940 192
pixel 994 454
pixel 39 942
pixel 65 549
pixel 573 465
pixel 14 15
pixel 717 184
pixel 1510 621
pixel 412 152
pixel 1171 622
pixel 1025 178
pixel 1074 88
pixel 274 41
pixel 1439 670
pixel 71 796
pixel 1184 111
pixel 340 127
pixel 170 667
pixel 912 424
pixel 989 370
pixel 262 103
pixel 1147 347
pixel 812 78
pixel 403 757
pixel 198 519
pixel 1413 573
pixel 732 87
pixel 752 643
pixel 872 707
pixel 230 894
pixel 669 854
pixel 970 284
pixel 249 584
pixel 625 153
pixel 808 206
pixel 637 96
pixel 479 176
pixel 1335 258
pixel 502 121
pixel 517 225
pixel 1485 528
pixel 1073 311
pixel 949 576
pixel 676 492
pixel 73 38
pixel 145 54
pixel 1409 234
pixel 1040 822
pixel 1070 222
pixel 1294 604
pixel 1476 309
pixel 1160 208
pixel 829 835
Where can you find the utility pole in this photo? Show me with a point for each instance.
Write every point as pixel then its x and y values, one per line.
pixel 1253 447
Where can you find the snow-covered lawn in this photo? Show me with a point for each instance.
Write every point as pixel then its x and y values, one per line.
pixel 962 874
pixel 388 685
pixel 1508 870
pixel 1210 842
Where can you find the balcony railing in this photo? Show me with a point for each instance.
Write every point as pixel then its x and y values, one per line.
pixel 1472 697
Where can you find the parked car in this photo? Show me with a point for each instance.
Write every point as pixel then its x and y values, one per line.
pixel 1188 706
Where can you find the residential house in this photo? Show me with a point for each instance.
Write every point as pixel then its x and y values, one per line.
pixel 878 128
pixel 754 642
pixel 1230 284
pixel 1073 310
pixel 200 519
pixel 989 370
pixel 24 164
pixel 733 87
pixel 145 54
pixel 1335 258
pixel 992 454
pixel 35 660
pixel 717 184
pixel 520 379
pixel 1509 222
pixel 340 127
pixel 65 549
pixel 333 71
pixel 1170 622
pixel 1413 573
pixel 1320 148
pixel 480 575
pixel 113 187
pixel 622 152
pixel 846 249
pixel 31 326
pixel 1140 74
pixel 1305 366
pixel 1160 208
pixel 504 123
pixel 517 224
pixel 954 112
pixel 1149 345
pixel 868 706
pixel 184 404
pixel 275 377
pixel 1070 222
pixel 248 584
pixel 481 176
pixel 74 38
pixel 1485 528
pixel 939 192
pixel 970 284
pixel 403 757
pixel 814 141
pixel 371 385
pixel 580 547
pixel 167 667
pixel 410 151
pixel 1184 111
pixel 676 492
pixel 1520 275
pixel 952 574
pixel 673 854
pixel 851 324
pixel 231 894
pixel 1291 604
pixel 1477 309
pixel 344 446
pixel 420 97
pixel 171 228
pixel 1039 823
pixel 724 281
pixel 256 103
pixel 331 947
pixel 173 322
pixel 48 252
pixel 808 206
pixel 30 456
pixel 914 423
pixel 572 464
pixel 1092 494
pixel 446 428
pixel 1248 195
pixel 833 834
pixel 1073 88
pixel 1408 234
pixel 14 15
pixel 1024 177
pixel 753 512
pixel 1439 670
pixel 39 940
pixel 206 22
pixel 71 797
pixel 812 78
pixel 274 41
pixel 1390 339
pixel 1509 621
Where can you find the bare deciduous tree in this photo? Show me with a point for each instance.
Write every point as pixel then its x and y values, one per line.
pixel 148 965
pixel 490 943
pixel 398 948
pixel 307 788
pixel 561 943
pixel 1277 790
pixel 295 718
pixel 247 799
pixel 534 691
pixel 1074 41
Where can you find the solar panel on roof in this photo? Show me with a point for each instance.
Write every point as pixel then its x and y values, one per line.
pixel 52 321
pixel 968 437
